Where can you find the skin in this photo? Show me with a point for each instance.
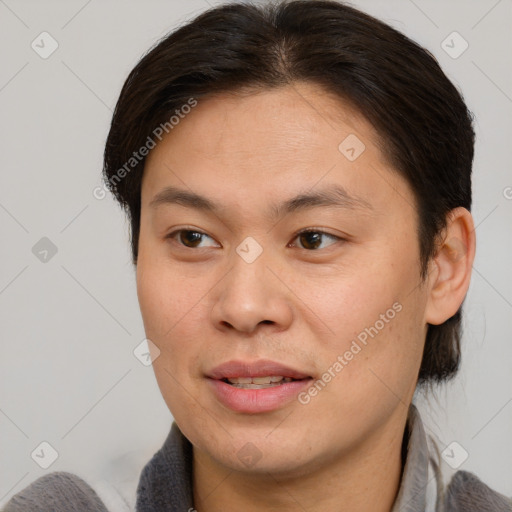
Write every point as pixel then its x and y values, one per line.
pixel 295 304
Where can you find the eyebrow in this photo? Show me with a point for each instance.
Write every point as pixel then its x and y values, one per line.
pixel 329 196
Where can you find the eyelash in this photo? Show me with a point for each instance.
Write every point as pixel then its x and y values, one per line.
pixel 174 234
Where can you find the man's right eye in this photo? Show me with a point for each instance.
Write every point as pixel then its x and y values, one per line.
pixel 191 238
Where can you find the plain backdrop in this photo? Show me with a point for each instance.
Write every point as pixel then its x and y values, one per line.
pixel 70 321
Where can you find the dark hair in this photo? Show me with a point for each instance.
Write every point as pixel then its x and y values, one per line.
pixel 424 124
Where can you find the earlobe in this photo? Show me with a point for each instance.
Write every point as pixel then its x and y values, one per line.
pixel 452 267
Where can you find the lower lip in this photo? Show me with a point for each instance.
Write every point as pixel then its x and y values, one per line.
pixel 252 401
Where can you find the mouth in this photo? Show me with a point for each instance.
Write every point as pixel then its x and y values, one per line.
pixel 258 382
pixel 256 387
pixel 263 372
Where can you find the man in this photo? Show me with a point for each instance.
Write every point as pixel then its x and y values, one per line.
pixel 298 181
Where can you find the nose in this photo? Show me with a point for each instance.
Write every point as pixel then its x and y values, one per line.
pixel 251 296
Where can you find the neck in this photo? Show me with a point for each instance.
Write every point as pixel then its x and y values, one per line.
pixel 367 478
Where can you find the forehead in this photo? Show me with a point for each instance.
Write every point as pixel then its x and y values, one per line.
pixel 273 143
pixel 294 117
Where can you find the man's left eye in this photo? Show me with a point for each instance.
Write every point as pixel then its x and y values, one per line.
pixel 314 240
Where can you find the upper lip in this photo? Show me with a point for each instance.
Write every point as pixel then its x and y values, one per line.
pixel 260 368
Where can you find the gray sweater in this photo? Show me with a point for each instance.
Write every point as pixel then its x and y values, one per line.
pixel 165 483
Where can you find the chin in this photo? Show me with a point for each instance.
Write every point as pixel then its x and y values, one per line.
pixel 258 447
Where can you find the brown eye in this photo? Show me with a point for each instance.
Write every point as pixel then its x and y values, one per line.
pixel 314 240
pixel 192 239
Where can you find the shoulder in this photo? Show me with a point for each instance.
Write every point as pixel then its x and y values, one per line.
pixel 466 493
pixel 56 492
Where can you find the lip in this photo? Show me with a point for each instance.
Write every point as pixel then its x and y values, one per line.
pixel 260 368
pixel 254 401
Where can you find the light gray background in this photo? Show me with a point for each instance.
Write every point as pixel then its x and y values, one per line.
pixel 69 326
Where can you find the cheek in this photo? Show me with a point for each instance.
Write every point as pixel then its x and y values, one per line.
pixel 381 370
pixel 171 311
pixel 354 303
pixel 377 333
pixel 170 308
pixel 168 298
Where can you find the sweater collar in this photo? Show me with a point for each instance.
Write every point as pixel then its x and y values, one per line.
pixel 412 492
pixel 165 484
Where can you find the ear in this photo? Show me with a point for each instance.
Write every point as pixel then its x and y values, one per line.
pixel 450 268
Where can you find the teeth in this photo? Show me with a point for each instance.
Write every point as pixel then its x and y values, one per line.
pixel 264 380
pixel 241 380
pixel 258 382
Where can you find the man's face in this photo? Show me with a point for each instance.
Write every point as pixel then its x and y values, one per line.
pixel 242 292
